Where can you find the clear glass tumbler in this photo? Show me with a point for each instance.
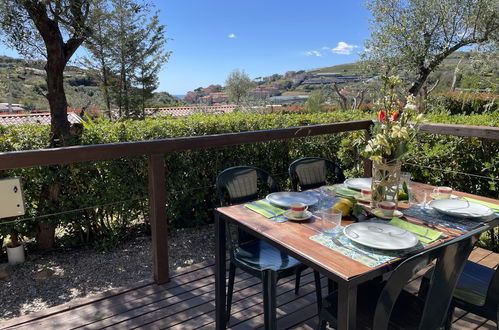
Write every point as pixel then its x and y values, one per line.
pixel 330 218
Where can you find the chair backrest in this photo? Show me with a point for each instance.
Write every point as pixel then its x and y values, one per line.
pixel 450 259
pixel 492 298
pixel 312 172
pixel 240 183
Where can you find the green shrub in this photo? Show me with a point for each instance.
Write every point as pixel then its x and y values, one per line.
pixel 465 103
pixel 111 195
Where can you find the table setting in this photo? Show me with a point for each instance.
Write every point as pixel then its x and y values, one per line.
pixel 385 232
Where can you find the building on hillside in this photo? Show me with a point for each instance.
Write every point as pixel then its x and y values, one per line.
pixel 289 99
pixel 12 108
pixel 215 97
pixel 265 91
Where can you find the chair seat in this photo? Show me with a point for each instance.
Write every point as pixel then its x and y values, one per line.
pixel 259 255
pixel 406 313
pixel 474 283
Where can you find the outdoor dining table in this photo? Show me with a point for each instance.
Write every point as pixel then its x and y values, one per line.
pixel 293 239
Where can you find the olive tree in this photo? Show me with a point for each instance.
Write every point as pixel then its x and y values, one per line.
pixel 238 85
pixel 54 30
pixel 415 36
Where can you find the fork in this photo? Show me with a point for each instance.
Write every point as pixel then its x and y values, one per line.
pixel 338 242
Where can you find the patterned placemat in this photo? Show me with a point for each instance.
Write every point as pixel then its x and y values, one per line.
pixel 363 254
pixel 444 220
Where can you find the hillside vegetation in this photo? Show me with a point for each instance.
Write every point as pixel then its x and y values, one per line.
pixel 23 81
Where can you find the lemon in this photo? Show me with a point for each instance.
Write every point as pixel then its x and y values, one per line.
pixel 344 205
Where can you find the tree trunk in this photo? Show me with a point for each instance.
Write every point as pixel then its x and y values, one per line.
pixel 420 80
pixel 57 101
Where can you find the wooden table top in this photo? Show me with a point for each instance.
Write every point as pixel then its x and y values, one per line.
pixel 294 236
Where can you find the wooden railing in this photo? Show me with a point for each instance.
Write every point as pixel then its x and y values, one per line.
pixel 155 150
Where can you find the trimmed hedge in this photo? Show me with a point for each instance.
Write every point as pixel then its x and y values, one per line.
pixel 113 194
pixel 465 103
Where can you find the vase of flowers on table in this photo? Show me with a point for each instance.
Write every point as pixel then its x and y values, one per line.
pixel 396 125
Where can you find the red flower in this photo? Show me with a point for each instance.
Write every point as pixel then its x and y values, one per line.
pixel 382 115
pixel 395 115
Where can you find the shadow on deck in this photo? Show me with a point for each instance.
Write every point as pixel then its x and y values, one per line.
pixel 187 302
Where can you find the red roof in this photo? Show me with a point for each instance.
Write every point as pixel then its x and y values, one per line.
pixel 34 118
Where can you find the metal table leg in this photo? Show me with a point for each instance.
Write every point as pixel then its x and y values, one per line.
pixel 347 306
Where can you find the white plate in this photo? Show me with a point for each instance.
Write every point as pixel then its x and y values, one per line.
pixel 358 183
pixel 286 198
pixel 461 208
pixel 380 236
pixel 289 216
pixel 379 214
pixel 438 196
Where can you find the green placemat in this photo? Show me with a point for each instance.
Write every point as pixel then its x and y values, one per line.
pixel 494 207
pixel 425 235
pixel 344 191
pixel 265 208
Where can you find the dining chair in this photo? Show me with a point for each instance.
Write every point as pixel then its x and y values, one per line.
pixel 256 257
pixel 385 304
pixel 477 291
pixel 313 172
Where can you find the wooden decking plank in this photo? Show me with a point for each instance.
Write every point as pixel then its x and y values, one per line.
pixel 291 306
pixel 468 321
pixel 173 302
pixel 489 325
pixel 205 314
pixel 89 313
pixel 249 311
pixel 478 254
pixel 491 261
pixel 249 299
pixel 157 311
pixel 187 302
pixel 76 303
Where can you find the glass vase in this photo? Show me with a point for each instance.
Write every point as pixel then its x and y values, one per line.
pixel 385 182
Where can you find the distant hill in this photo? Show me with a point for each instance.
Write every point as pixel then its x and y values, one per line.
pixel 23 81
pixel 293 83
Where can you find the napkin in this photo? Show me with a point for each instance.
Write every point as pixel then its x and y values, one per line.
pixel 425 235
pixel 265 208
pixel 494 207
pixel 344 191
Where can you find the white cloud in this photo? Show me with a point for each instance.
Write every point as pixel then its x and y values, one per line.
pixel 313 53
pixel 325 48
pixel 343 48
pixel 231 36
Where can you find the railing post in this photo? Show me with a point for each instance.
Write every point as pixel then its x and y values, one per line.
pixel 368 164
pixel 157 214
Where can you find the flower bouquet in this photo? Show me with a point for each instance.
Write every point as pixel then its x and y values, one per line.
pixel 396 126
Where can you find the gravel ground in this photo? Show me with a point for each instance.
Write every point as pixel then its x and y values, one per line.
pixel 47 280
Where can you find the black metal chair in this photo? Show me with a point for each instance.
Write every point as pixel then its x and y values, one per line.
pixel 477 291
pixel 254 256
pixel 385 305
pixel 313 172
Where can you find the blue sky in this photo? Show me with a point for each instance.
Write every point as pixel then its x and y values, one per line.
pixel 212 38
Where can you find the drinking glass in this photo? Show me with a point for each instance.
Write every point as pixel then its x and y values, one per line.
pixel 330 218
pixel 328 194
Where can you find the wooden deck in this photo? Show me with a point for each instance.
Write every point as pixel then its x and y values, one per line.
pixel 187 302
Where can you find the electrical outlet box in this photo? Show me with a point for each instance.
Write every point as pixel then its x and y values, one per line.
pixel 11 198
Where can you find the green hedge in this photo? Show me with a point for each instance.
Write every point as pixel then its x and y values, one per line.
pixel 465 103
pixel 113 194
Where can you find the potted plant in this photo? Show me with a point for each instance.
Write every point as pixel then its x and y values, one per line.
pixel 396 126
pixel 15 249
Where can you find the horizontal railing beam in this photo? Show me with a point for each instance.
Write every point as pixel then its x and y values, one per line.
pixel 485 132
pixel 76 154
